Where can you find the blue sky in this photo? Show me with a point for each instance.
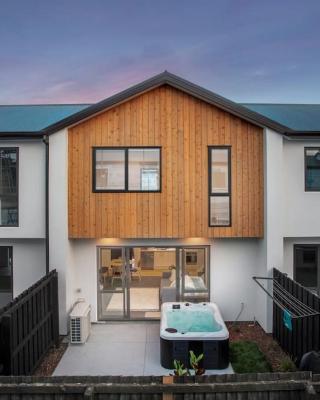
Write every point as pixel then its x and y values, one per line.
pixel 71 51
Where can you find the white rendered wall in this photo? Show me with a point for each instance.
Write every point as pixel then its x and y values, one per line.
pixel 28 262
pixel 31 190
pixel 85 276
pixel 60 250
pixel 232 265
pixel 302 209
pixel 271 248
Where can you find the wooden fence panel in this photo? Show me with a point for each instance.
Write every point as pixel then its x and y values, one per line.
pixel 305 334
pixel 267 386
pixel 29 326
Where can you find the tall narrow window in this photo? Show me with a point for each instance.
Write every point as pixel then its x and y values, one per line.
pixel 126 169
pixel 9 186
pixel 219 186
pixel 312 169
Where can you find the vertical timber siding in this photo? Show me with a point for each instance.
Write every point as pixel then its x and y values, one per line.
pixel 184 127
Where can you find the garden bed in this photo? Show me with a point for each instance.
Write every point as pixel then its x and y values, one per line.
pixel 252 332
pixel 51 360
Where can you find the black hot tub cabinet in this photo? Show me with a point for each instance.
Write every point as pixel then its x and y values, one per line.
pixel 175 345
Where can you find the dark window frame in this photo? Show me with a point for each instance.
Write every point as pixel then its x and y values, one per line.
pixel 305 168
pixel 126 169
pixel 306 246
pixel 17 181
pixel 221 194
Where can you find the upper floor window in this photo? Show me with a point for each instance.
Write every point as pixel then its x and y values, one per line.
pixel 9 186
pixel 219 186
pixel 312 169
pixel 126 169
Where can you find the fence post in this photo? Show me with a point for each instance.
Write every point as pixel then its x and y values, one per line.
pixel 55 310
pixel 6 345
pixel 167 380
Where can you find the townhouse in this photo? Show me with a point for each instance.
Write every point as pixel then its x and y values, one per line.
pixel 163 192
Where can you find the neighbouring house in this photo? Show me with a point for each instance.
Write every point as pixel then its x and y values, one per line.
pixel 164 191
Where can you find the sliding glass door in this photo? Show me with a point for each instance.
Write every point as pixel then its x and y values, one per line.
pixel 152 280
pixel 133 282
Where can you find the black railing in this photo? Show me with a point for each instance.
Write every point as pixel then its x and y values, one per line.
pixel 305 333
pixel 29 326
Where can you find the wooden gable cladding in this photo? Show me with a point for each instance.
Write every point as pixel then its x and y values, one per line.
pixel 184 127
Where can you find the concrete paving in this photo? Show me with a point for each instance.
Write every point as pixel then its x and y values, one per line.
pixel 124 348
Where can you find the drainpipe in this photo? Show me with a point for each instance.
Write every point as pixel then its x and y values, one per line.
pixel 46 142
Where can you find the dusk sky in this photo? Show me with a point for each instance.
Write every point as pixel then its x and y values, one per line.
pixel 75 51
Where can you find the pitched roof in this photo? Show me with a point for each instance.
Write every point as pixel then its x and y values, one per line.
pixel 32 118
pixel 37 120
pixel 166 78
pixel 299 117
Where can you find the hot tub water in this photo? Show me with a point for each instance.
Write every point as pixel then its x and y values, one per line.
pixel 198 319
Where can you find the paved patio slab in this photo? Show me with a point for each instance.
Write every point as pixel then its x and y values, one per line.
pixel 124 348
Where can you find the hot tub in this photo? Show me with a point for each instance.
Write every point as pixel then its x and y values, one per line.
pixel 193 326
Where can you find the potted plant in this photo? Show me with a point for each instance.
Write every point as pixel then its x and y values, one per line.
pixel 195 363
pixel 179 369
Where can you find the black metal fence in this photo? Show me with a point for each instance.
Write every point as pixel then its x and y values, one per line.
pixel 305 334
pixel 29 326
pixel 268 386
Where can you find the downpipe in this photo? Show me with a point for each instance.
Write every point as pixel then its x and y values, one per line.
pixel 46 143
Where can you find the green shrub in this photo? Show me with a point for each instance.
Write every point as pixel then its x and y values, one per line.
pixel 287 365
pixel 246 357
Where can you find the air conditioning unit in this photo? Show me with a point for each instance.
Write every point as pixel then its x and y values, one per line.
pixel 80 323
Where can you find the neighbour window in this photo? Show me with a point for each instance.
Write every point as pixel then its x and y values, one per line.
pixel 5 270
pixel 306 266
pixel 219 186
pixel 9 186
pixel 312 169
pixel 124 169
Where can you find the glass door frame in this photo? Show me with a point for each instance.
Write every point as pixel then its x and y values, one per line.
pixel 125 287
pixel 180 268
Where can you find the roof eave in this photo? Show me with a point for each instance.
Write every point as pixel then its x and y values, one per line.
pixel 21 135
pixel 303 134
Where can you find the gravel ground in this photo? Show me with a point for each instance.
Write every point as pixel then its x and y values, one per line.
pixel 253 332
pixel 51 360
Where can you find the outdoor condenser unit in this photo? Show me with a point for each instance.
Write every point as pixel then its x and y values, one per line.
pixel 80 323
